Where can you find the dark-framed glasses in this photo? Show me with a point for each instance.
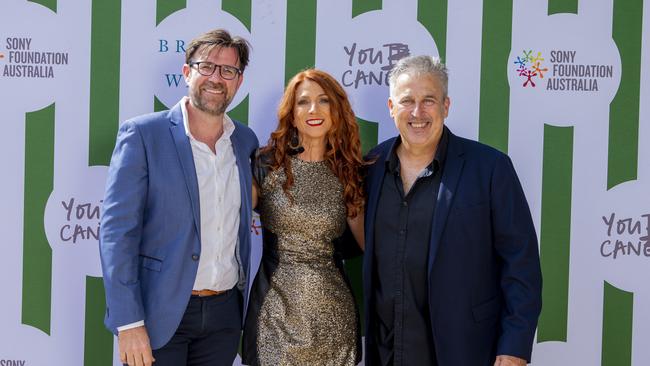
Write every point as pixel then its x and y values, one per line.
pixel 207 68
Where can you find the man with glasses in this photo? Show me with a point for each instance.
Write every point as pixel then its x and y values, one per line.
pixel 175 239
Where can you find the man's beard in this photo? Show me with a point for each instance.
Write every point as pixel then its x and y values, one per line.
pixel 201 102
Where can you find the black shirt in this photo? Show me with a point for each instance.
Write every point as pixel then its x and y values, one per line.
pixel 402 235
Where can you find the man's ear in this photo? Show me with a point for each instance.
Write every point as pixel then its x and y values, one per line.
pixel 241 80
pixel 390 107
pixel 186 72
pixel 446 104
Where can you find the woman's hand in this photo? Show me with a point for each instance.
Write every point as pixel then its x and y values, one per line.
pixel 256 190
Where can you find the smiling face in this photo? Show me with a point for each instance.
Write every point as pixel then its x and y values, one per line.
pixel 311 112
pixel 212 94
pixel 419 108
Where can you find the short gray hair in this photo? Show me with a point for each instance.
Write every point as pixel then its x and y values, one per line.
pixel 420 65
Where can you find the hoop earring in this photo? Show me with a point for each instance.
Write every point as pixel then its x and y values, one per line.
pixel 294 143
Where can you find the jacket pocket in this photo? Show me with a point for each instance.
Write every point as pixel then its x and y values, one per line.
pixel 487 310
pixel 150 263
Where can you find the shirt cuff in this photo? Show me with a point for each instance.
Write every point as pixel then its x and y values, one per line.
pixel 131 326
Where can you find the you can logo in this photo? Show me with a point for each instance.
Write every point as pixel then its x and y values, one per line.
pixel 371 65
pixel 530 67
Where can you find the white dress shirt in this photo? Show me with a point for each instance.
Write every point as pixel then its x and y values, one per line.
pixel 220 202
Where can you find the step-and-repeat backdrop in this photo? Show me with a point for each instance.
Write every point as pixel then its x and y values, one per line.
pixel 557 84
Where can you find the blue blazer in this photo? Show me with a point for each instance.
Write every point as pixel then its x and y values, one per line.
pixel 150 228
pixel 484 277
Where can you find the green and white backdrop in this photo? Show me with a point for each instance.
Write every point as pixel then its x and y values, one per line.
pixel 560 85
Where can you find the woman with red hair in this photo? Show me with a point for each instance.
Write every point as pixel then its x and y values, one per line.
pixel 308 190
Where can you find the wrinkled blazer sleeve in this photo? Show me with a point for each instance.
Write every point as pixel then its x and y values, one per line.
pixel 121 227
pixel 515 242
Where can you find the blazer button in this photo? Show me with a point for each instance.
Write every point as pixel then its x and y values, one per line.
pixel 195 257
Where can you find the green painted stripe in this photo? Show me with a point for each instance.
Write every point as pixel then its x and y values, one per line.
pixel 159 106
pixel 618 308
pixel 562 6
pixel 37 253
pixel 104 80
pixel 363 6
pixel 300 50
pixel 495 91
pixel 50 4
pixel 624 110
pixel 555 233
pixel 432 14
pixel 240 112
pixel 368 132
pixel 240 9
pixel 165 8
pixel 98 342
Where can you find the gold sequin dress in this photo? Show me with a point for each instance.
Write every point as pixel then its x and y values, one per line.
pixel 302 311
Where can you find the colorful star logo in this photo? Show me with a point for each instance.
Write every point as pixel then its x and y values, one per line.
pixel 529 67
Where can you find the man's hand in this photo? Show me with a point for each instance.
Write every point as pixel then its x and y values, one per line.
pixel 503 360
pixel 134 347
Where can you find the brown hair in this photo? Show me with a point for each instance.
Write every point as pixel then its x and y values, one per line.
pixel 219 38
pixel 342 144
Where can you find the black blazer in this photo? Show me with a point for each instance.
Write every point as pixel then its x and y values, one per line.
pixel 484 276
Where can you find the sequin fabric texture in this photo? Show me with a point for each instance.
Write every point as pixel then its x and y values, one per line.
pixel 307 317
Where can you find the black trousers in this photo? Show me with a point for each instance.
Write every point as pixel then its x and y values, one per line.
pixel 208 334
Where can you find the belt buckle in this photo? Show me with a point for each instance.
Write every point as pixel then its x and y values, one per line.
pixel 206 292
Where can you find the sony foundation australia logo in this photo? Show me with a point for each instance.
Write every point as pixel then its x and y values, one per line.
pixel 23 59
pixel 559 70
pixel 8 362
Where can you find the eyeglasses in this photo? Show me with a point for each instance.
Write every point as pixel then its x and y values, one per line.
pixel 207 68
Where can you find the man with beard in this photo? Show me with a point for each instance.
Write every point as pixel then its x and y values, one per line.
pixel 175 239
pixel 451 265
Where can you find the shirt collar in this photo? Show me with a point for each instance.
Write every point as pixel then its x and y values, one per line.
pixel 228 124
pixel 392 160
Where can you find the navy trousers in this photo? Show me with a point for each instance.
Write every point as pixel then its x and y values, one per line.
pixel 208 334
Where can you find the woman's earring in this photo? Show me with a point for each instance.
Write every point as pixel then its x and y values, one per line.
pixel 294 143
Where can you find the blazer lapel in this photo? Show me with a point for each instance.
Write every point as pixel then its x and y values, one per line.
pixel 446 193
pixel 242 160
pixel 375 180
pixel 184 151
pixel 243 167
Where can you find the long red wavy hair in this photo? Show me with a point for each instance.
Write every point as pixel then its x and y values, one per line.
pixel 343 146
